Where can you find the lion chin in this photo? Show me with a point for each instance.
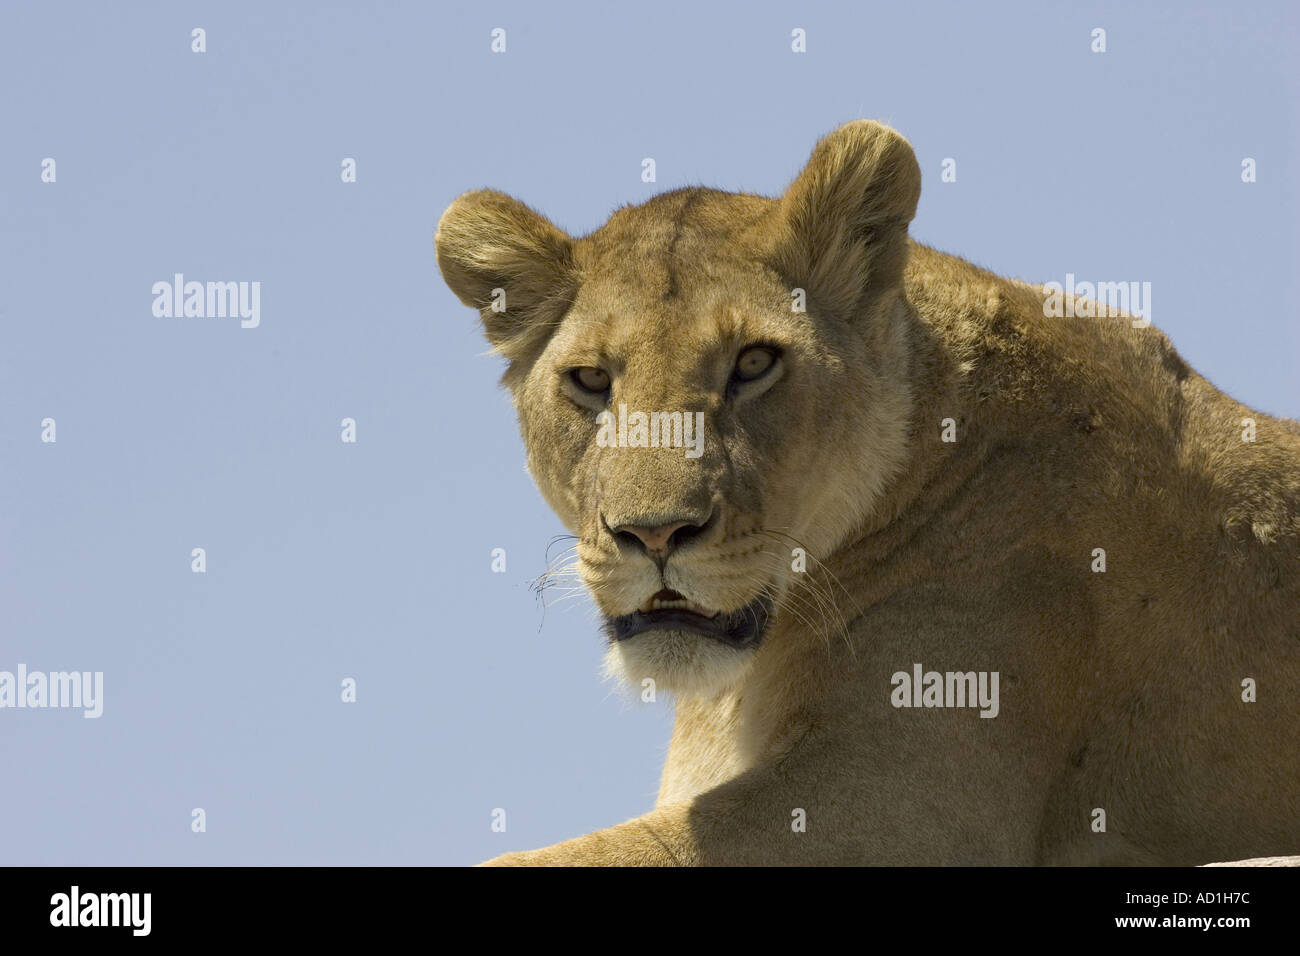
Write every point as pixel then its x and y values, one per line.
pixel 681 662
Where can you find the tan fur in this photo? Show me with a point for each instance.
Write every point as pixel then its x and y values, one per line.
pixel 1119 690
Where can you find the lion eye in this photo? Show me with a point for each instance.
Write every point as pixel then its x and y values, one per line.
pixel 591 379
pixel 754 362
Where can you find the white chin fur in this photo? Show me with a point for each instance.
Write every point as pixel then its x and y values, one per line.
pixel 679 662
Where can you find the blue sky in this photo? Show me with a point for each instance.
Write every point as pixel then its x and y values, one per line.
pixel 371 560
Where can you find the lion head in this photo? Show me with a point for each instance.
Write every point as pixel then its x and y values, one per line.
pixel 712 387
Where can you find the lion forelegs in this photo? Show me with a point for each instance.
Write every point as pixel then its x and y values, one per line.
pixel 662 837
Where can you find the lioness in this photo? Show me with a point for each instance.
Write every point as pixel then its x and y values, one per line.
pixel 945 580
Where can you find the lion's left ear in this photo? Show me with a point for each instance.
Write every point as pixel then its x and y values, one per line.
pixel 512 264
pixel 843 221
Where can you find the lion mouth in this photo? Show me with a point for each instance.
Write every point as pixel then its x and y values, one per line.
pixel 669 611
pixel 669 600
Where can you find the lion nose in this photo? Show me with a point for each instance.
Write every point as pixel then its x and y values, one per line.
pixel 655 539
pixel 659 540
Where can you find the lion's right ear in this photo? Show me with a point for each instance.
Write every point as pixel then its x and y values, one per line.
pixel 844 218
pixel 510 263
